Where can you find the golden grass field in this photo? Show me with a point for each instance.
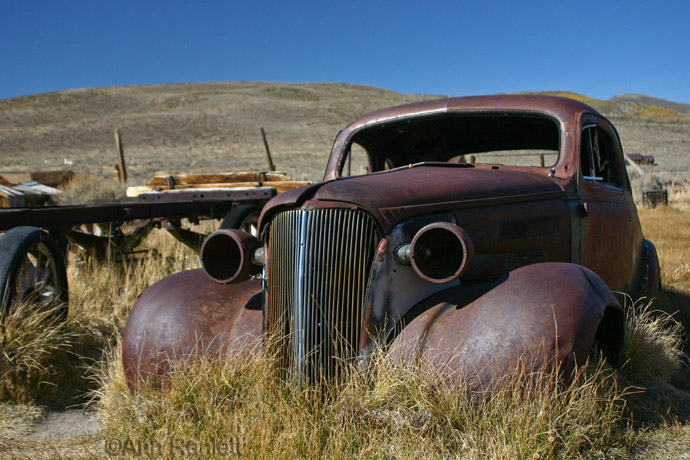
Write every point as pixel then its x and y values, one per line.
pixel 639 410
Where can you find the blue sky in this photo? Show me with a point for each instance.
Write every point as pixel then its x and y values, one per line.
pixel 598 48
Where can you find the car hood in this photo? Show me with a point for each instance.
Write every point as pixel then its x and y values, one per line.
pixel 397 195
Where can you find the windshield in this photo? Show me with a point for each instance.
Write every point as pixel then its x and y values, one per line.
pixel 492 138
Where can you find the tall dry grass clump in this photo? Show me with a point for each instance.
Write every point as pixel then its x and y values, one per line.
pixel 393 411
pixel 654 366
pixel 84 190
pixel 653 344
pixel 47 360
pixel 35 351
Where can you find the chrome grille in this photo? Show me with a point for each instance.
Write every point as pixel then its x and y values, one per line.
pixel 318 267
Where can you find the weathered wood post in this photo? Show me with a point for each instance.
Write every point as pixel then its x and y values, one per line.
pixel 121 168
pixel 271 166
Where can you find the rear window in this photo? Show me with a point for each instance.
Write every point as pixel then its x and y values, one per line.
pixel 494 138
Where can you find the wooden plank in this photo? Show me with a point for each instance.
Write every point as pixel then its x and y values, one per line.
pixel 34 188
pixel 243 194
pixel 230 177
pixel 280 186
pixel 11 198
pixel 36 194
pixel 15 178
pixel 4 182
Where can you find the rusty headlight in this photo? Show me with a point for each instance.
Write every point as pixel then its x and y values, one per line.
pixel 440 252
pixel 231 256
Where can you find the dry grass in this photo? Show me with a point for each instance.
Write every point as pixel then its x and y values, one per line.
pixel 653 344
pixel 657 113
pixel 392 412
pixel 668 442
pixel 35 349
pixel 103 291
pixel 84 190
pixel 55 366
pixel 405 412
pixel 39 354
pixel 667 227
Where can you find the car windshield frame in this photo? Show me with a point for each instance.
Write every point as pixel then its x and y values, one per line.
pixel 443 134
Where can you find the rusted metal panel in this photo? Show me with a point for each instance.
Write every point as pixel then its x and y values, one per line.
pixel 393 289
pixel 187 314
pixel 510 236
pixel 607 245
pixel 64 216
pixel 542 314
pixel 395 196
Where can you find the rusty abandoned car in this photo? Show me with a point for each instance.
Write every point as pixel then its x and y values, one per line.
pixel 472 231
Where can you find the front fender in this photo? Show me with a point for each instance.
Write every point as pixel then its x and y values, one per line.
pixel 184 314
pixel 537 315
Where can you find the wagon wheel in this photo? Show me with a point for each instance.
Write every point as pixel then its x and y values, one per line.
pixel 32 267
pixel 244 217
pixel 99 240
pixel 93 240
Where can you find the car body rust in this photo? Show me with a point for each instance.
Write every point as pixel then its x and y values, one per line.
pixel 454 240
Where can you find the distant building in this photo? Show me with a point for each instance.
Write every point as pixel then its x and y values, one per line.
pixel 640 159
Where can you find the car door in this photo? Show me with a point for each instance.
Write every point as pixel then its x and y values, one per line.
pixel 607 216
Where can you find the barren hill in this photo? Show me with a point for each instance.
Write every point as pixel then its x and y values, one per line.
pixel 211 127
pixel 648 100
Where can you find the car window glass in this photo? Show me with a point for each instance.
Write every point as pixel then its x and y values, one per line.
pixel 357 162
pixel 515 139
pixel 517 157
pixel 598 159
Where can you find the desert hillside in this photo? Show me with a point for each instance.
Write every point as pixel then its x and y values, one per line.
pixel 683 109
pixel 205 127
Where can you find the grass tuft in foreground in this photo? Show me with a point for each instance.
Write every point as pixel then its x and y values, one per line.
pixel 653 344
pixel 35 351
pixel 393 411
pixel 48 361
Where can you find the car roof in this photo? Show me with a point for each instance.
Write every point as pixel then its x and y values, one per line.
pixel 562 108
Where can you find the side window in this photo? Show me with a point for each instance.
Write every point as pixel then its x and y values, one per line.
pixel 357 162
pixel 598 157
